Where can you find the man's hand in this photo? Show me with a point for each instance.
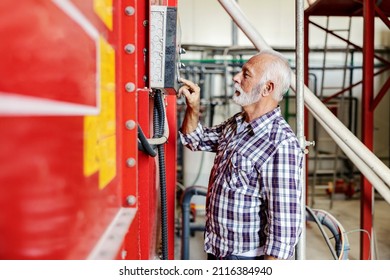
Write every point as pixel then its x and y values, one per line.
pixel 191 92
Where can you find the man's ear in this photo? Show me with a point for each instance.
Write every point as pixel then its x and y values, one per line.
pixel 268 88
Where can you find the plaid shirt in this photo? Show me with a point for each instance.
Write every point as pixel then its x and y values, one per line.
pixel 254 193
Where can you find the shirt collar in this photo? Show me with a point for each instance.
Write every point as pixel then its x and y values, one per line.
pixel 261 122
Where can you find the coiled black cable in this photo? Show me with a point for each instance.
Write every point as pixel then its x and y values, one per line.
pixel 159 124
pixel 145 146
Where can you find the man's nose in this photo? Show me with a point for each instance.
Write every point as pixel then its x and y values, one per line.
pixel 237 77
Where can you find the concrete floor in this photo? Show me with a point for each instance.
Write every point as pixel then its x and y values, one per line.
pixel 347 212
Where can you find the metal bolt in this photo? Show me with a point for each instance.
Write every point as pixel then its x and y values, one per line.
pixel 130 162
pixel 310 143
pixel 124 254
pixel 131 200
pixel 129 11
pixel 146 23
pixel 130 124
pixel 145 78
pixel 130 87
pixel 103 254
pixel 182 51
pixel 130 48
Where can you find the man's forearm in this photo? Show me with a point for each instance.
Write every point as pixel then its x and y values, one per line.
pixel 190 121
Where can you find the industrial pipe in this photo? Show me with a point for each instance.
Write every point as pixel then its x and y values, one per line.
pixel 300 252
pixel 331 123
pixel 185 221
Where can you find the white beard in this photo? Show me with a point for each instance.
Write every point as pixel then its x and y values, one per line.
pixel 245 98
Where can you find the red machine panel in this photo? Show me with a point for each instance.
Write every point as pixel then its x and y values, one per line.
pixel 48 51
pixel 59 181
pixel 72 92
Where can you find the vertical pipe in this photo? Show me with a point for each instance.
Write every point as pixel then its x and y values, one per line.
pixel 185 228
pixel 186 225
pixel 234 32
pixel 367 122
pixel 350 126
pixel 306 77
pixel 299 58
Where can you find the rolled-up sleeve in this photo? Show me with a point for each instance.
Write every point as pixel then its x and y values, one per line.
pixel 282 179
pixel 202 138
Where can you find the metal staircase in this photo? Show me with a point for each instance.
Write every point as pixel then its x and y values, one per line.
pixel 326 153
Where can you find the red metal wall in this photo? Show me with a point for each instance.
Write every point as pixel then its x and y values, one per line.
pixel 64 145
pixel 142 242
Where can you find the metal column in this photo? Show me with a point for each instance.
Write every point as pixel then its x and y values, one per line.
pixel 299 43
pixel 130 79
pixel 367 123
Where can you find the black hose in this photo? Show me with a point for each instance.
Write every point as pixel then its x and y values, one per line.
pixel 143 144
pixel 159 123
pixel 163 196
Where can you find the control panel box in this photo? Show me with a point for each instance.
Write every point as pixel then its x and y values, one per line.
pixel 164 50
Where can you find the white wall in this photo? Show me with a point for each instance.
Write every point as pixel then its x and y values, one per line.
pixel 206 22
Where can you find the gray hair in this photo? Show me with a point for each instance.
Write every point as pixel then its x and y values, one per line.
pixel 278 71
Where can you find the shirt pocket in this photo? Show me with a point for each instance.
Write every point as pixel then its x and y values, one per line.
pixel 242 170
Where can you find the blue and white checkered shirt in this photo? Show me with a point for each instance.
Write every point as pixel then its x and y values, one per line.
pixel 254 192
